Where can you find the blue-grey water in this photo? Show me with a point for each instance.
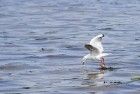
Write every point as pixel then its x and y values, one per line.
pixel 42 43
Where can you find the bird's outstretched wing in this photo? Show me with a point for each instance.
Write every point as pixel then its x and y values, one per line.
pixel 97 42
pixel 92 49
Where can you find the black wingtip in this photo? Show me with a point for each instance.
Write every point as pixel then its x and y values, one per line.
pixel 88 46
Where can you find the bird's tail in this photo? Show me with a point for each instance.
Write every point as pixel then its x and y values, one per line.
pixel 105 54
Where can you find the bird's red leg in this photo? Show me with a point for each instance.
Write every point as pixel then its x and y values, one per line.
pixel 103 61
pixel 102 64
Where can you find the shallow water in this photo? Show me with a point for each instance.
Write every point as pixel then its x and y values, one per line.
pixel 42 43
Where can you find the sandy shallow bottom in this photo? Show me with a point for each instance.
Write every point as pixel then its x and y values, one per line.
pixel 42 43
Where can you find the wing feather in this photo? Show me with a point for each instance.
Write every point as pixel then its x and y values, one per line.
pixel 92 49
pixel 97 42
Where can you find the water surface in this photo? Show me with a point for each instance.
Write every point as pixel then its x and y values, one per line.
pixel 42 43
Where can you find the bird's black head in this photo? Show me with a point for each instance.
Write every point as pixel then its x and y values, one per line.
pixel 103 35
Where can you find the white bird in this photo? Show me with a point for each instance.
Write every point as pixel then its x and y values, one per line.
pixel 96 50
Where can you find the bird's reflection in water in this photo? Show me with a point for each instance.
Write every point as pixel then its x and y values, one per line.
pixel 95 75
pixel 94 78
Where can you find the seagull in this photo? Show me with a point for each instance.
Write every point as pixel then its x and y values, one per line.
pixel 96 50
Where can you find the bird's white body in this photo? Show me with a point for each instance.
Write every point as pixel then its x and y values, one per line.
pixel 96 49
pixel 94 57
